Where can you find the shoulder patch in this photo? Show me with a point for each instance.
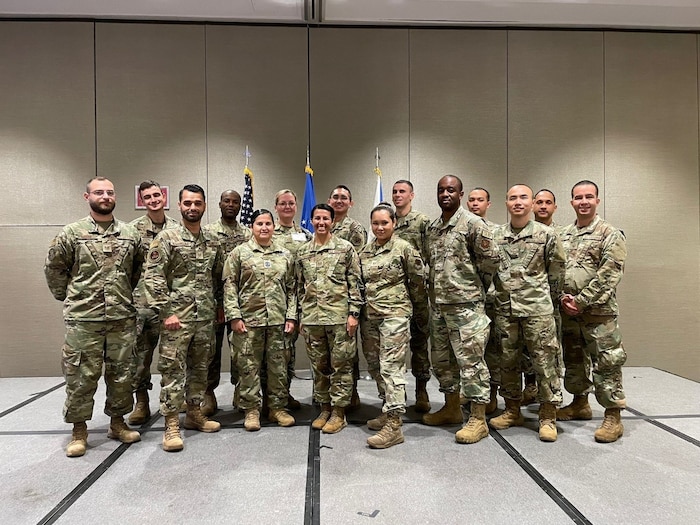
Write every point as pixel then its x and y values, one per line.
pixel 154 256
pixel 485 243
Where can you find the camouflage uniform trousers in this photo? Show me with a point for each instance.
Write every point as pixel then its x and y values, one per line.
pixel 261 347
pixel 290 341
pixel 184 359
pixel 492 354
pixel 331 352
pixel 147 335
pixel 88 345
pixel 526 362
pixel 214 371
pixel 385 343
pixel 458 335
pixel 594 341
pixel 537 333
pixel 420 360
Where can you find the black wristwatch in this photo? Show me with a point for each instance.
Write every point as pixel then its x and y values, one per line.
pixel 356 315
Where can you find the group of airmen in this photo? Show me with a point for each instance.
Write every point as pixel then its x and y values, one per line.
pixel 529 297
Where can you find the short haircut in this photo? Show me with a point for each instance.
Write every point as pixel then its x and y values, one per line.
pixel 383 206
pixel 479 188
pixel 325 207
pixel 341 187
pixel 258 213
pixel 283 192
pixel 193 188
pixel 87 186
pixel 228 191
pixel 461 186
pixel 584 182
pixel 522 184
pixel 404 181
pixel 554 197
pixel 148 184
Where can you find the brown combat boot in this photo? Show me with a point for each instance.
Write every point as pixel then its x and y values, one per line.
pixel 209 405
pixel 252 420
pixel 323 417
pixel 172 441
pixel 492 405
pixel 511 416
pixel 142 411
pixel 389 435
pixel 578 410
pixel 449 414
pixel 119 430
pixel 378 422
pixel 475 428
pixel 78 443
pixel 337 421
pixel 355 399
pixel 530 391
pixel 195 420
pixel 281 416
pixel 422 401
pixel 548 422
pixel 611 430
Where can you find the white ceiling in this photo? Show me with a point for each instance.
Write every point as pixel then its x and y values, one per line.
pixel 654 14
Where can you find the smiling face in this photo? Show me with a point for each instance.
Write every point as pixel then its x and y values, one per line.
pixel 382 226
pixel 585 202
pixel 263 227
pixel 449 193
pixel 286 208
pixel 230 205
pixel 153 198
pixel 192 206
pixel 402 195
pixel 341 201
pixel 519 201
pixel 544 207
pixel 101 197
pixel 322 222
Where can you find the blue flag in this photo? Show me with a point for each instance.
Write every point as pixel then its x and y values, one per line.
pixel 309 200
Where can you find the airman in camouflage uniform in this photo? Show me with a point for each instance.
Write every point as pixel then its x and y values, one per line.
pixel 93 266
pixel 230 233
pixel 330 299
pixel 147 322
pixel 595 261
pixel 183 284
pixel 463 258
pixel 530 274
pixel 412 226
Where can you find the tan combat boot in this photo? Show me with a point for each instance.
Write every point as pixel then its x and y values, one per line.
pixel 475 428
pixel 492 405
pixel 142 411
pixel 511 416
pixel 209 405
pixel 119 430
pixel 579 410
pixel 252 420
pixel 78 443
pixel 422 401
pixel 389 435
pixel 283 418
pixel 530 391
pixel 611 429
pixel 195 420
pixel 378 422
pixel 337 421
pixel 449 414
pixel 323 417
pixel 548 422
pixel 172 441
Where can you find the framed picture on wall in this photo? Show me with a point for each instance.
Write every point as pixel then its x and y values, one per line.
pixel 138 202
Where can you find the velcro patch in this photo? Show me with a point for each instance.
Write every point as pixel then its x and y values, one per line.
pixel 154 256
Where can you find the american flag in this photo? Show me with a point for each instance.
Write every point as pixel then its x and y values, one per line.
pixel 247 203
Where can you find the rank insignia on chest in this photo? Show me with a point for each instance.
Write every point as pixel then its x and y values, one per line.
pixel 267 264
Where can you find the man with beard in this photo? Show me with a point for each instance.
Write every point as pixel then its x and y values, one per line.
pixel 230 233
pixel 93 266
pixel 183 284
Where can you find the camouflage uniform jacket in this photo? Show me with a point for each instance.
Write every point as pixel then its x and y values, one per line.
pixel 351 231
pixel 183 274
pixel 531 273
pixel 148 231
pixel 229 236
pixel 291 237
pixel 329 285
pixel 394 280
pixel 259 285
pixel 93 272
pixel 463 259
pixel 595 261
pixel 413 227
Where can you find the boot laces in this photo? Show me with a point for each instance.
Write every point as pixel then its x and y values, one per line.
pixel 608 423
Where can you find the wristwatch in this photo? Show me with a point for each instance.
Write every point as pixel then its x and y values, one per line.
pixel 356 315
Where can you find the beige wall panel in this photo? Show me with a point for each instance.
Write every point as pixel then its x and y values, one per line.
pixel 651 192
pixel 256 96
pixel 359 101
pixel 151 107
pixel 458 113
pixel 31 320
pixel 555 112
pixel 47 129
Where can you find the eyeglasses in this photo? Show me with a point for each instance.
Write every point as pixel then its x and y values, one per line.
pixel 99 193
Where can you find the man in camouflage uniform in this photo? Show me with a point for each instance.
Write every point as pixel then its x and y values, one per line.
pixel 183 284
pixel 595 260
pixel 147 322
pixel 93 266
pixel 412 226
pixel 330 298
pixel 230 233
pixel 463 259
pixel 530 274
